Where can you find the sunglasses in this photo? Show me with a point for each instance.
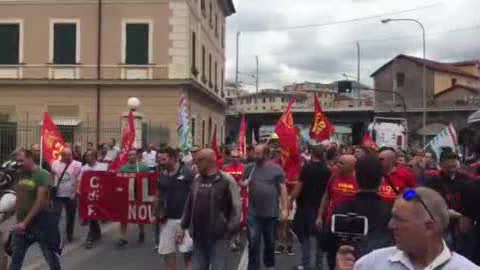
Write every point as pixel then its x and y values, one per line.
pixel 411 194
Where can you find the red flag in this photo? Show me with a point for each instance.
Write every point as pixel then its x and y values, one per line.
pixel 321 128
pixel 215 148
pixel 52 141
pixel 369 142
pixel 242 137
pixel 128 138
pixel 288 137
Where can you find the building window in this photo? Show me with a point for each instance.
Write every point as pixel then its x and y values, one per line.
pixel 204 78
pixel 138 47
pixel 203 133
pixel 203 8
pixel 65 43
pixel 222 37
pixel 264 100
pixel 194 55
pixel 215 77
pixel 222 78
pixel 210 14
pixel 210 70
pixel 454 81
pixel 192 129
pixel 264 108
pixel 400 79
pixel 283 99
pixel 9 43
pixel 216 25
pixel 210 131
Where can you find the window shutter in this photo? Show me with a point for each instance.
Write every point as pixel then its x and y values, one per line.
pixel 137 44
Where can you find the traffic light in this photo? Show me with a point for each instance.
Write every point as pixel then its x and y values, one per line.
pixel 345 87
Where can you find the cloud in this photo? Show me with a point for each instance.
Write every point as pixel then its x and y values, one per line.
pixel 324 53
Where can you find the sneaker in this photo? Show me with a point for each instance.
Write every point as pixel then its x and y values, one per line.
pixel 299 267
pixel 141 238
pixel 234 247
pixel 290 251
pixel 89 244
pixel 279 249
pixel 122 243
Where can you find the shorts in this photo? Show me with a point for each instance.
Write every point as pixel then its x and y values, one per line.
pixel 168 243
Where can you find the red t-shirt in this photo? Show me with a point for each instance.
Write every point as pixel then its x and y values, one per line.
pixel 340 189
pixel 236 171
pixel 401 178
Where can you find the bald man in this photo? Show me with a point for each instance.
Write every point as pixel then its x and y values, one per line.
pixel 212 213
pixel 341 188
pixel 35 148
pixel 395 178
pixel 419 220
pixel 67 176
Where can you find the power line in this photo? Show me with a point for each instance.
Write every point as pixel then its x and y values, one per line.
pixel 465 29
pixel 379 15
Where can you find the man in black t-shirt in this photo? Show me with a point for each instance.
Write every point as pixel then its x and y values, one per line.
pixel 456 187
pixel 308 194
pixel 174 186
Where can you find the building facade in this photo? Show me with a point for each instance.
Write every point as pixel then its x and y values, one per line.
pixel 80 60
pixel 452 91
pixel 268 101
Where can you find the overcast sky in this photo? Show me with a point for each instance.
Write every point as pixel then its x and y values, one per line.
pixel 324 53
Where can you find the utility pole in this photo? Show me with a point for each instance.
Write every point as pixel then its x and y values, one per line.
pixel 236 63
pixel 257 74
pixel 358 61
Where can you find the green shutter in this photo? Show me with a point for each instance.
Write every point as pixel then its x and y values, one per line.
pixel 137 44
pixel 9 43
pixel 65 44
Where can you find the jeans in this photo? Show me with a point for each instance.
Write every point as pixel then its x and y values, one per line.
pixel 209 254
pixel 44 231
pixel 94 231
pixel 259 227
pixel 70 206
pixel 304 226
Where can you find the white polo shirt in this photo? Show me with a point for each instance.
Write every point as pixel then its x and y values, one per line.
pixel 392 258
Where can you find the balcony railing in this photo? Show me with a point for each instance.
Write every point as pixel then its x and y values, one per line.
pixel 83 72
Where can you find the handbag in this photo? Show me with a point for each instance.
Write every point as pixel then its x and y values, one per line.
pixel 54 188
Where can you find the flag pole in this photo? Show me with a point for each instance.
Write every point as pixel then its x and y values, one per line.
pixel 41 151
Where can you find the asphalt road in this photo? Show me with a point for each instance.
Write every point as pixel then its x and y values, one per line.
pixel 135 256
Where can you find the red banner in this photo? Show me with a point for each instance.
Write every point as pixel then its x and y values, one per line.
pixel 288 138
pixel 242 138
pixel 321 128
pixel 128 138
pixel 120 197
pixel 215 148
pixel 52 141
pixel 369 142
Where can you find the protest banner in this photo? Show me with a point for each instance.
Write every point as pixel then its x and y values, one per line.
pixel 119 197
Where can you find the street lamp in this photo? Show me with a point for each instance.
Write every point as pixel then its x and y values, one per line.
pixel 424 83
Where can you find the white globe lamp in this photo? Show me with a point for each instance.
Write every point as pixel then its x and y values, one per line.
pixel 133 103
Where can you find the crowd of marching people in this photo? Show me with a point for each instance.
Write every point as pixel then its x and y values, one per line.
pixel 422 211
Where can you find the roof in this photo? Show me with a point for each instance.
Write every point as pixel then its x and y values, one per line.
pixel 459 86
pixel 433 65
pixel 466 63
